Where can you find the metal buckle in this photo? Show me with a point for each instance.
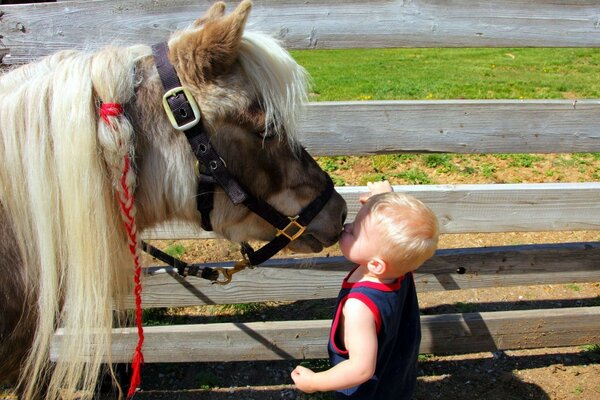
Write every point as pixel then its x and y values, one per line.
pixel 227 273
pixel 194 106
pixel 294 225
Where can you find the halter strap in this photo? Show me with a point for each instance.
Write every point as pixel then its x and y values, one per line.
pixel 184 114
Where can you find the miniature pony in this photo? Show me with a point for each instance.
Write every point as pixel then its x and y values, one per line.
pixel 65 168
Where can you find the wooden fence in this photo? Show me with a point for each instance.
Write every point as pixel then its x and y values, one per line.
pixel 377 127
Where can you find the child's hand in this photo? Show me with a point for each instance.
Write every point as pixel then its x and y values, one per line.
pixel 302 377
pixel 376 188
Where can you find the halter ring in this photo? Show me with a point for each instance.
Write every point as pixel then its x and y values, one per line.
pixel 299 229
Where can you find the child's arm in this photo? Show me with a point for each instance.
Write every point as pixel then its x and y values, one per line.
pixel 360 339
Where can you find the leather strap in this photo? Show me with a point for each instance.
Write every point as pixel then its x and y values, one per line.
pixel 288 228
pixel 205 200
pixel 182 110
pixel 183 268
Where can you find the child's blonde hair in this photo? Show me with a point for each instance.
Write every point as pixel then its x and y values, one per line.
pixel 409 229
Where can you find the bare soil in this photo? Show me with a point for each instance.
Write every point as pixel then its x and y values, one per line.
pixel 550 373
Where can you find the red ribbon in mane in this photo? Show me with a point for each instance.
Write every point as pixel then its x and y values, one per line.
pixel 115 110
pixel 110 110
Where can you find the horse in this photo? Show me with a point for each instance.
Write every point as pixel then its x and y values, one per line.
pixel 78 182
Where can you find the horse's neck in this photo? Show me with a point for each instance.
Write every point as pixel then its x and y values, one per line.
pixel 160 153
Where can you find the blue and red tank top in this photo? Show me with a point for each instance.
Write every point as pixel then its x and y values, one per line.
pixel 396 312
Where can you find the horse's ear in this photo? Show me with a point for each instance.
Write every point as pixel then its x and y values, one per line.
pixel 216 11
pixel 204 53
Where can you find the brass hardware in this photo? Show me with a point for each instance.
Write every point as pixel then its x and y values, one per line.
pixel 227 273
pixel 292 225
pixel 194 106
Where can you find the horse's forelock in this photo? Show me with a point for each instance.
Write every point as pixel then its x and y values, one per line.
pixel 281 84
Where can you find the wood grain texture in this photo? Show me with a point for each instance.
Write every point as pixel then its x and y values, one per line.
pixel 473 208
pixel 32 31
pixel 451 126
pixel 319 278
pixel 449 333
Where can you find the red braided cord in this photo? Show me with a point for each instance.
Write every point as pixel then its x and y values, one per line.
pixel 126 206
pixel 110 110
pixel 126 203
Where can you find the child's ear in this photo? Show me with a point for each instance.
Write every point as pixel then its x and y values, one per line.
pixel 377 266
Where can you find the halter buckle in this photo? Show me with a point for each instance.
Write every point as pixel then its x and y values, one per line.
pixel 299 229
pixel 190 99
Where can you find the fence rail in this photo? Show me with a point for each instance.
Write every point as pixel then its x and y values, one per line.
pixel 319 278
pixel 32 31
pixel 474 208
pixel 449 333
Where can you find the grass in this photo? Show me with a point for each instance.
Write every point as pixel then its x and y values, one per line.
pixel 574 287
pixel 175 250
pixel 421 74
pixel 465 307
pixel 592 349
pixel 414 176
pixel 206 380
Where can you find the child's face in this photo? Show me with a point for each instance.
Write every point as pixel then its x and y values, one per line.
pixel 359 240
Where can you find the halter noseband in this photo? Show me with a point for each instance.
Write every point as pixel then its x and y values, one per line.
pixel 184 114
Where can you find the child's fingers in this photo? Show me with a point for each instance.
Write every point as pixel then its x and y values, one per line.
pixel 299 370
pixel 380 187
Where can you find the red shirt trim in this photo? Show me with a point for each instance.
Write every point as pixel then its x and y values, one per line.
pixel 339 347
pixel 372 306
pixel 384 287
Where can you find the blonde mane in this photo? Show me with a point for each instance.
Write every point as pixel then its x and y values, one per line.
pixel 280 81
pixel 60 191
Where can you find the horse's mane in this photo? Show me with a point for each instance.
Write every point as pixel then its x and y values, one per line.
pixel 57 174
pixel 60 180
pixel 280 81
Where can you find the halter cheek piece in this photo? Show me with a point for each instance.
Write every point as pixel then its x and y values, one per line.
pixel 184 114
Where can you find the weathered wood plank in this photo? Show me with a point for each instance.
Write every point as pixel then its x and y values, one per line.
pixel 491 331
pixel 319 278
pixel 451 126
pixel 474 208
pixel 450 333
pixel 31 31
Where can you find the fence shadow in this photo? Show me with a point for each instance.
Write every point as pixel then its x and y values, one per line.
pixel 490 376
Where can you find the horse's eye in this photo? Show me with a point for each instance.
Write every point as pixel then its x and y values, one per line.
pixel 268 132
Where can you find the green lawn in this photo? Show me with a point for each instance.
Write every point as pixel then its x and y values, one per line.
pixel 422 74
pixel 419 74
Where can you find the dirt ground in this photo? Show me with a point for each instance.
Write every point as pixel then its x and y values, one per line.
pixel 564 373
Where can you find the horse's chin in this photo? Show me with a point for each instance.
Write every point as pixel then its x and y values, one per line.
pixel 306 244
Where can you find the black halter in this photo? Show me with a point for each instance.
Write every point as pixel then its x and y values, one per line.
pixel 184 114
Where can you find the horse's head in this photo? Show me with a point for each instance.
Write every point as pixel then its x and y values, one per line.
pixel 249 91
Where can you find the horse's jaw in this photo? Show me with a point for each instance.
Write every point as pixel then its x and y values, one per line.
pixel 256 229
pixel 307 243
